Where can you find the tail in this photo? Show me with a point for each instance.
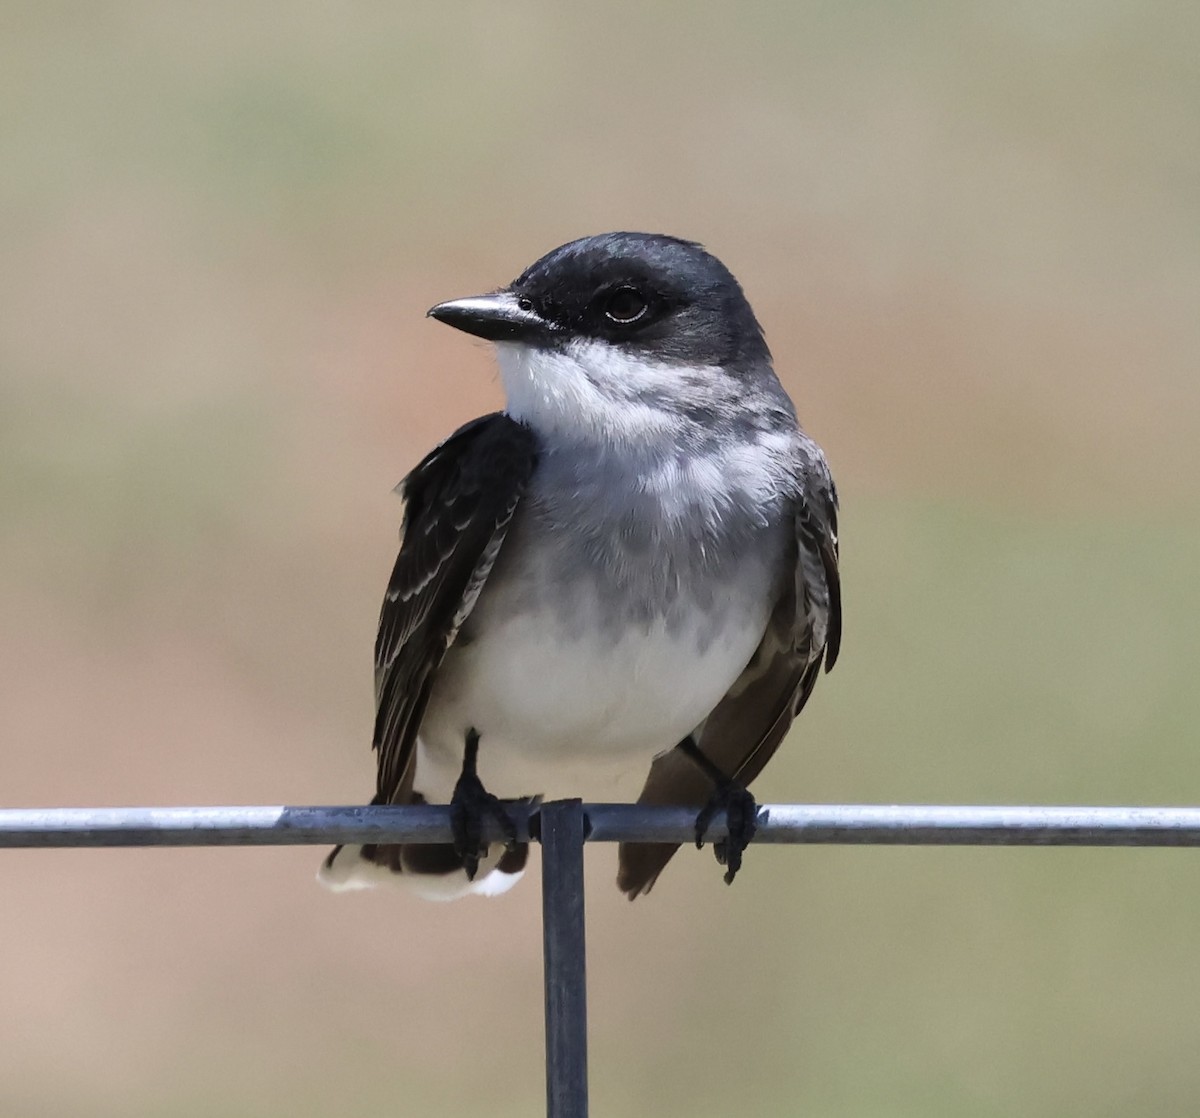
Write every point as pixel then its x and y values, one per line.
pixel 433 872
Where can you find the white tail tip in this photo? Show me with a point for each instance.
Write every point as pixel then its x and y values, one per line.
pixel 346 869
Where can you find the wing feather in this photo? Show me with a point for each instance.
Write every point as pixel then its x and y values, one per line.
pixel 459 503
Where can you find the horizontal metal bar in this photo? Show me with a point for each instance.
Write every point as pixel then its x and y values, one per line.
pixel 918 825
pixel 227 826
pixel 779 823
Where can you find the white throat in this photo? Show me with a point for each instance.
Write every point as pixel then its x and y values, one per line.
pixel 589 389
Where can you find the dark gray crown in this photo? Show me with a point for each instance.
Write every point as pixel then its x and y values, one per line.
pixel 695 312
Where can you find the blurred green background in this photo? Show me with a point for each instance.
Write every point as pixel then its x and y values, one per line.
pixel 972 232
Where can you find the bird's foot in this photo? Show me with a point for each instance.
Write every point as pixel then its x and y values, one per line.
pixel 471 807
pixel 741 812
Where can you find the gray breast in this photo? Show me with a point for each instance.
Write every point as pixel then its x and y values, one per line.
pixel 686 541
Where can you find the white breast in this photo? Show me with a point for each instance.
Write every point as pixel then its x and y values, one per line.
pixel 577 716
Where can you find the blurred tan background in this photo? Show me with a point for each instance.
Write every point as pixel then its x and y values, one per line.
pixel 972 232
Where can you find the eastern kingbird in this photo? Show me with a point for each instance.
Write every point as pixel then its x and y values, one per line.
pixel 630 572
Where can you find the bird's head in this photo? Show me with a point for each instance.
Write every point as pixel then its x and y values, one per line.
pixel 624 335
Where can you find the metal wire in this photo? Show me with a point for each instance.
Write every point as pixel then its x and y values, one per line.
pixel 779 823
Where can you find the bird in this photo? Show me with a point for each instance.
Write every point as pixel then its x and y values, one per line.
pixel 625 583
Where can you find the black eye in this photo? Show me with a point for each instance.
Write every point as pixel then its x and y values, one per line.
pixel 625 305
pixel 525 303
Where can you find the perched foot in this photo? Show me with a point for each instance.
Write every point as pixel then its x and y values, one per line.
pixel 741 810
pixel 471 806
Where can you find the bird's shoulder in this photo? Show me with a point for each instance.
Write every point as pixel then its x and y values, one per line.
pixel 455 500
pixel 484 453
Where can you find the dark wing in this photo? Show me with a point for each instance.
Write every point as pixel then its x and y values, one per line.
pixel 746 727
pixel 458 505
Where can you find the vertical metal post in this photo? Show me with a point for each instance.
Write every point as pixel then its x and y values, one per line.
pixel 563 829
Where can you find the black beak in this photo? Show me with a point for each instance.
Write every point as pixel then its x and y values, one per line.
pixel 498 318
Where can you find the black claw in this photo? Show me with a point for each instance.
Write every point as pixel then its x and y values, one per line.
pixel 741 812
pixel 471 806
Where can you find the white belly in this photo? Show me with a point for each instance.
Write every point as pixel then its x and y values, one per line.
pixel 583 715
